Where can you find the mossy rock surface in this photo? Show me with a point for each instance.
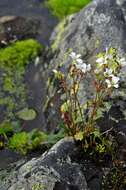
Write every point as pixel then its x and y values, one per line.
pixel 13 62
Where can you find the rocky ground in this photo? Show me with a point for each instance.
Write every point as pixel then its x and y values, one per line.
pixel 61 168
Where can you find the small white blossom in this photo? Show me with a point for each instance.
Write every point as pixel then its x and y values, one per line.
pixel 54 71
pixel 109 56
pixel 96 71
pixel 79 61
pixel 115 79
pixel 84 67
pixel 108 72
pixel 100 60
pixel 109 84
pixel 113 82
pixel 74 56
pixel 122 62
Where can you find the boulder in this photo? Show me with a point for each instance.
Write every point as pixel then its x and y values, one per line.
pixel 99 25
pixel 16 27
pixel 56 169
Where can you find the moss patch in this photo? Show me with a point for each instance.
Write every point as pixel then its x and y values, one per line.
pixel 62 8
pixel 13 60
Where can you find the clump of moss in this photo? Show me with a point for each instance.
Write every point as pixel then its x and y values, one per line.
pixel 18 54
pixel 13 60
pixel 24 142
pixel 62 8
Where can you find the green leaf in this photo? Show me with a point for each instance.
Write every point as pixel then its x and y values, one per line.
pixel 6 128
pixel 107 105
pixel 53 138
pixel 79 136
pixel 65 107
pixel 97 133
pixel 27 114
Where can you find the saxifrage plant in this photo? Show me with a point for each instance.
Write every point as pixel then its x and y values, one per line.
pixel 83 127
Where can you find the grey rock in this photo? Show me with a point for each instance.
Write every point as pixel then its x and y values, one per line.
pixel 101 24
pixel 54 170
pixel 15 27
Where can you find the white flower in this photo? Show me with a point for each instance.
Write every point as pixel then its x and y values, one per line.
pixel 79 61
pixel 100 60
pixel 84 67
pixel 108 72
pixel 74 56
pixel 109 84
pixel 113 82
pixel 104 59
pixel 96 71
pixel 108 56
pixel 115 79
pixel 122 62
pixel 55 71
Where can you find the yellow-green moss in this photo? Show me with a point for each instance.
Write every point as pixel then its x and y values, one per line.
pixel 13 60
pixel 59 30
pixel 62 8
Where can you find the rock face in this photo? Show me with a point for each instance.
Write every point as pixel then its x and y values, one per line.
pixel 57 169
pixel 102 21
pixel 101 24
pixel 63 167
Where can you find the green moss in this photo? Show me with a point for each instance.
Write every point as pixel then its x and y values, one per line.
pixel 24 142
pixel 19 53
pixel 13 60
pixel 62 8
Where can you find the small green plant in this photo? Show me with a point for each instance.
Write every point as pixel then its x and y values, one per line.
pixel 6 128
pixel 54 138
pixel 37 137
pixel 62 8
pixel 24 142
pixel 80 118
pixel 38 186
pixel 13 61
pixel 20 142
